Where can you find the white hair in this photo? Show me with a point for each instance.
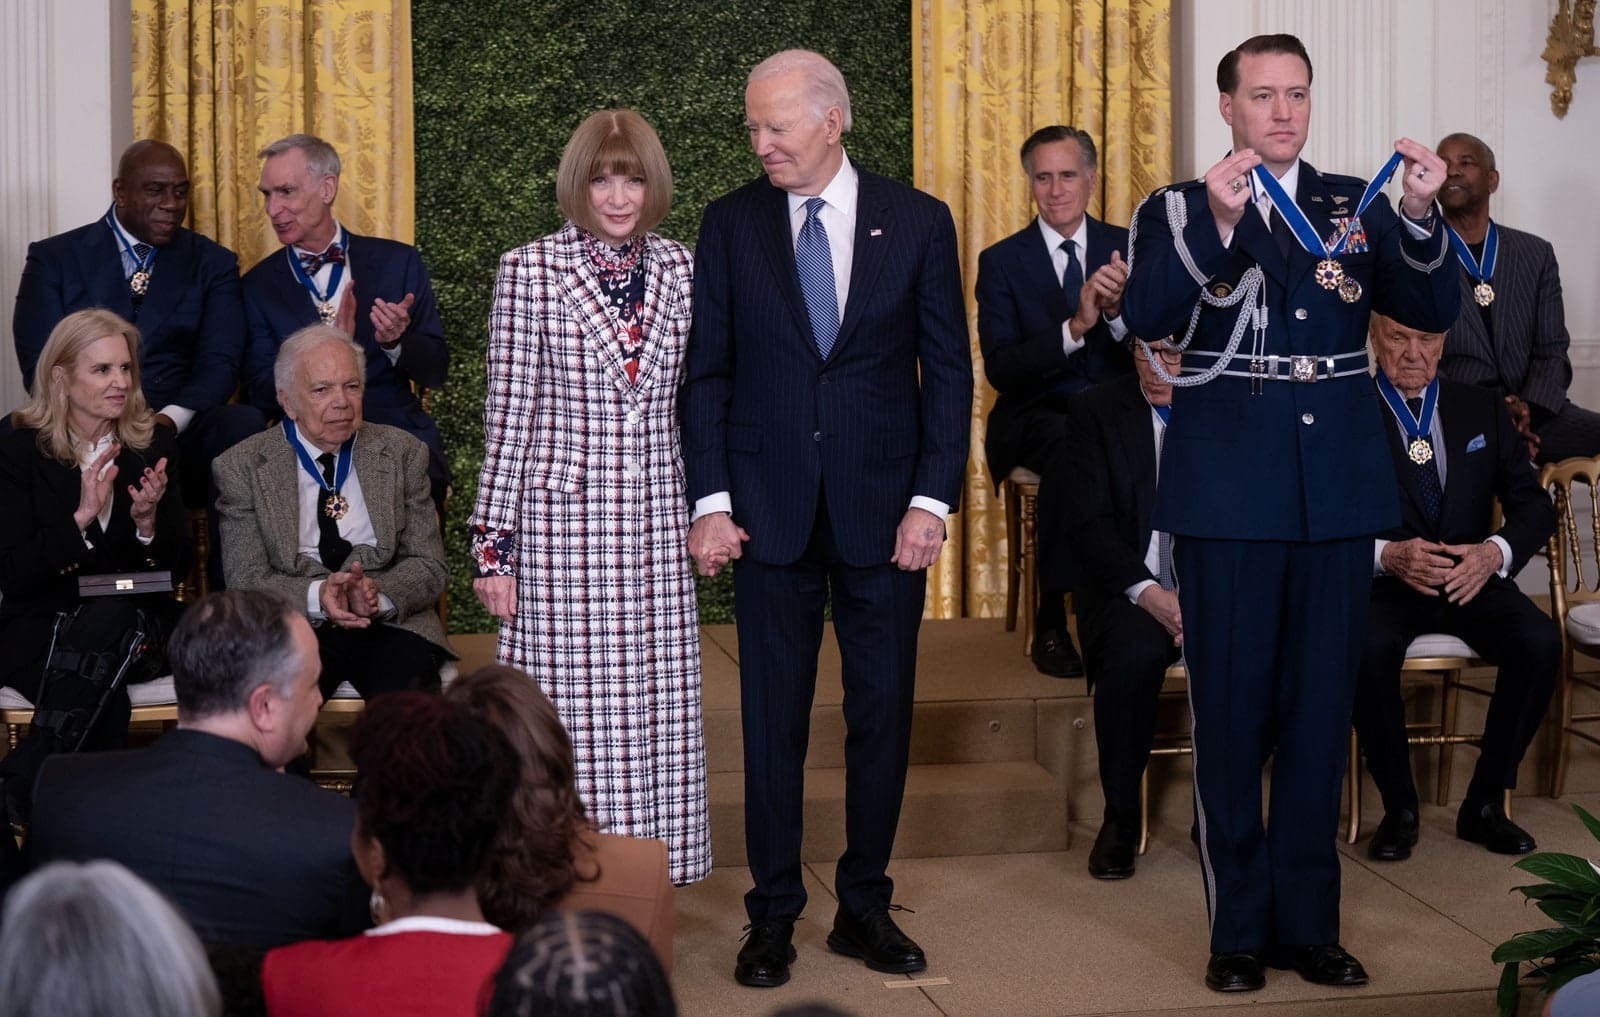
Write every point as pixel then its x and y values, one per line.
pixel 303 342
pixel 824 85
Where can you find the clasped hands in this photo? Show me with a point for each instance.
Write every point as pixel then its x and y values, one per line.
pixel 349 598
pixel 94 489
pixel 1426 566
pixel 1228 186
pixel 715 540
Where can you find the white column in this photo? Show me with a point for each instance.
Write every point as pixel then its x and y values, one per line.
pixel 65 82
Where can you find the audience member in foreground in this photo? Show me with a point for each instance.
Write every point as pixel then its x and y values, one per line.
pixel 581 964
pixel 94 939
pixel 434 782
pixel 578 532
pixel 548 855
pixel 86 487
pixel 251 856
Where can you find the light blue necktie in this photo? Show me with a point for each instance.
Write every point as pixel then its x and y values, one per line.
pixel 814 264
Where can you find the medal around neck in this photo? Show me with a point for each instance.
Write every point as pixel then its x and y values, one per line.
pixel 327 308
pixel 1419 447
pixel 1329 273
pixel 1483 270
pixel 335 505
pixel 139 281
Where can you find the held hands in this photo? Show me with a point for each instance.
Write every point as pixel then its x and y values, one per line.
pixel 918 540
pixel 94 486
pixel 1425 566
pixel 390 321
pixel 1228 189
pixel 1478 563
pixel 714 541
pixel 1101 295
pixel 498 595
pixel 1163 607
pixel 146 495
pixel 1421 177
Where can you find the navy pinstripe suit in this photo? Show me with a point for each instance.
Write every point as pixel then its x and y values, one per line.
pixel 821 458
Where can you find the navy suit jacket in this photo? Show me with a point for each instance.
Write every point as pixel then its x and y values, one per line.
pixel 251 856
pixel 1298 461
pixel 278 306
pixel 884 418
pixel 191 318
pixel 1497 467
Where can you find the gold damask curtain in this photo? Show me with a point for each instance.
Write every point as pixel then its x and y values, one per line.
pixel 987 74
pixel 219 79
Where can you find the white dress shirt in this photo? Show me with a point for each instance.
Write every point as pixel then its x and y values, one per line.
pixel 179 415
pixel 1058 259
pixel 324 274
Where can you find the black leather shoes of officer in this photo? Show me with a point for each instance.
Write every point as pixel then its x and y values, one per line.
pixel 1115 849
pixel 1235 972
pixel 874 939
pixel 1486 823
pixel 1394 838
pixel 1320 965
pixel 767 953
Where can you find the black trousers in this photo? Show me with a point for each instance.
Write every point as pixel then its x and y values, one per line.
pixel 1569 432
pixel 1506 629
pixel 877 610
pixel 1126 653
pixel 1037 439
pixel 377 659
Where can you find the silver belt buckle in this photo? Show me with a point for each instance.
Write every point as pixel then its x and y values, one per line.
pixel 1303 369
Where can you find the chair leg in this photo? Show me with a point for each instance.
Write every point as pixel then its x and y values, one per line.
pixel 1558 780
pixel 1013 553
pixel 1030 591
pixel 1144 809
pixel 1447 728
pixel 1353 783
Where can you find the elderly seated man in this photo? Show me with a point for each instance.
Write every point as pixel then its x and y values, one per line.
pixel 1446 569
pixel 336 514
pixel 251 856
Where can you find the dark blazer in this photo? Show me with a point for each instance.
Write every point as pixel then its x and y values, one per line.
pixel 278 306
pixel 1527 354
pixel 1111 489
pixel 191 319
pixel 884 418
pixel 1020 313
pixel 251 856
pixel 42 554
pixel 1497 468
pixel 1296 462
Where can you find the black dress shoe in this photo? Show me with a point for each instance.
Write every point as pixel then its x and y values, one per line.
pixel 1235 972
pixel 767 953
pixel 1320 965
pixel 1115 850
pixel 1487 824
pixel 876 940
pixel 1054 654
pixel 1394 838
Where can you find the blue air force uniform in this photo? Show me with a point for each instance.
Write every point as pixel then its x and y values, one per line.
pixel 1274 477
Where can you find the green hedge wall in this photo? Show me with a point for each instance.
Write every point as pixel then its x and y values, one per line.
pixel 499 87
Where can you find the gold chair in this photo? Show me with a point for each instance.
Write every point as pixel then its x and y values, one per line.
pixel 196 584
pixel 1574 603
pixel 1165 745
pixel 1021 499
pixel 154 702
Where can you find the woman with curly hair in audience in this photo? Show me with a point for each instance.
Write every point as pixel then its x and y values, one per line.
pixel 581 964
pixel 548 855
pixel 433 783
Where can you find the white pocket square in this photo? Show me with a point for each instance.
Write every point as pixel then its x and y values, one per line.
pixel 1476 443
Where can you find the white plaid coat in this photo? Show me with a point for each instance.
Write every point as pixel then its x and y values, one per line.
pixel 582 499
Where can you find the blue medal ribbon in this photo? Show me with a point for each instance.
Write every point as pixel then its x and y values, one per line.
pixel 1164 412
pixel 140 265
pixel 1301 226
pixel 1480 272
pixel 334 278
pixel 341 467
pixel 1418 428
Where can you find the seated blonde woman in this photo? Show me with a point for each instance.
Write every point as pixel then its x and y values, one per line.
pixel 547 854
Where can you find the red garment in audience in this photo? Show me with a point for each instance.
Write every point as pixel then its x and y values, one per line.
pixel 410 967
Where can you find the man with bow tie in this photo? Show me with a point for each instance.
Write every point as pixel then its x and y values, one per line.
pixel 1446 568
pixel 372 289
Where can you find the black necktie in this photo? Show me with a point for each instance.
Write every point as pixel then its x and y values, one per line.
pixel 1281 232
pixel 1427 474
pixel 332 547
pixel 1072 278
pixel 140 252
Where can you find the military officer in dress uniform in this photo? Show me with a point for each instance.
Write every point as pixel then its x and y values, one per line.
pixel 1273 480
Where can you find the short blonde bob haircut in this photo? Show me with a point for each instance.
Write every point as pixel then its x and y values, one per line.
pixel 613 141
pixel 47 407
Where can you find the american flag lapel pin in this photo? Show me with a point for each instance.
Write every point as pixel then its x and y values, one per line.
pixel 875 232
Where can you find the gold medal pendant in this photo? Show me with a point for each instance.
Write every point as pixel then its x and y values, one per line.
pixel 1420 451
pixel 139 282
pixel 1349 290
pixel 327 312
pixel 1483 293
pixel 1329 274
pixel 337 506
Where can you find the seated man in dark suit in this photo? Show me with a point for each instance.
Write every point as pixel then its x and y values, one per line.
pixel 180 288
pixel 1446 569
pixel 1126 598
pixel 251 856
pixel 335 514
pixel 1048 303
pixel 373 289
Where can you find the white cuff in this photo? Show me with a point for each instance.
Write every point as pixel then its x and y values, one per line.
pixel 933 505
pixel 141 538
pixel 1118 328
pixel 179 415
pixel 720 501
pixel 314 601
pixel 1504 571
pixel 1138 588
pixel 1377 556
pixel 393 352
pixel 1069 345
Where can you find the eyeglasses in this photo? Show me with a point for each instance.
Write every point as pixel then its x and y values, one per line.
pixel 1171 358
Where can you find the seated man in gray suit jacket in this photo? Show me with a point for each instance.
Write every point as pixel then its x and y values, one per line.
pixel 336 514
pixel 251 856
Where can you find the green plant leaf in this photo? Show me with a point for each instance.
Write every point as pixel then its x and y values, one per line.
pixel 1545 891
pixel 1592 823
pixel 1569 871
pixel 1508 993
pixel 1529 946
pixel 1567 911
